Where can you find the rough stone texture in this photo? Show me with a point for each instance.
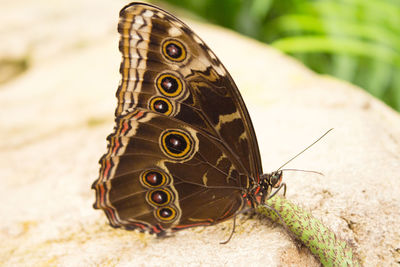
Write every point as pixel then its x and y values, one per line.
pixel 55 117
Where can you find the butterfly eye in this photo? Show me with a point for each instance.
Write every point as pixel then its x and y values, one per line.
pixel 276 179
pixel 174 50
pixel 159 197
pixel 166 214
pixel 169 85
pixel 153 178
pixel 161 105
pixel 176 144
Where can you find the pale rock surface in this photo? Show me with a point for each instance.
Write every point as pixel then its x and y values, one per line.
pixel 55 117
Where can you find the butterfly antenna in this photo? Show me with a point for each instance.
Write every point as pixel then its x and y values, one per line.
pixel 300 170
pixel 301 152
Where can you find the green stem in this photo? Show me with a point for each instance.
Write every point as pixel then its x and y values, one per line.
pixel 322 242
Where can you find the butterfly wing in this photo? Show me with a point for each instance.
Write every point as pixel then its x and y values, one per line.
pixel 162 174
pixel 209 98
pixel 173 85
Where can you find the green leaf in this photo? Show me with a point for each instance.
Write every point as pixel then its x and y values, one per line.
pixel 313 44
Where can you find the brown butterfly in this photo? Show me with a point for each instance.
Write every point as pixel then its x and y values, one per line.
pixel 183 152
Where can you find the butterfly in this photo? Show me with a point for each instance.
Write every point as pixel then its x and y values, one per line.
pixel 183 151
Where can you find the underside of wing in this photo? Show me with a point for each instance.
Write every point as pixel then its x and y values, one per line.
pixel 161 174
pixel 167 68
pixel 183 151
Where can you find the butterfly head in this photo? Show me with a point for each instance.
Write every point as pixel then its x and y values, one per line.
pixel 268 181
pixel 273 179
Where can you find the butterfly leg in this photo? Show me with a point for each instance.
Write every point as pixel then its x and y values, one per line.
pixel 282 185
pixel 252 209
pixel 233 230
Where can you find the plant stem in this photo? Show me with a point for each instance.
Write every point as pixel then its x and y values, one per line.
pixel 322 242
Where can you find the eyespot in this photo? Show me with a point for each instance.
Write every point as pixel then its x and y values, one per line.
pixel 176 144
pixel 166 213
pixel 174 50
pixel 169 85
pixel 161 105
pixel 153 178
pixel 159 197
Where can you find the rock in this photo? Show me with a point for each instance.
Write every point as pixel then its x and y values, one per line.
pixel 56 115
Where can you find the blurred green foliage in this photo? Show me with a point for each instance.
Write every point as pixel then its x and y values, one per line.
pixel 354 40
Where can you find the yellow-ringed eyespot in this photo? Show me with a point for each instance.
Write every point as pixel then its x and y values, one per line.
pixel 161 105
pixel 173 50
pixel 166 213
pixel 176 143
pixel 153 178
pixel 169 85
pixel 159 197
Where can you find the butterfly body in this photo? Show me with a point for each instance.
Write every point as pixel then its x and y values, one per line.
pixel 183 151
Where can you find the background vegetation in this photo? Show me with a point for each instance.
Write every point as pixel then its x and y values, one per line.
pixel 354 40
